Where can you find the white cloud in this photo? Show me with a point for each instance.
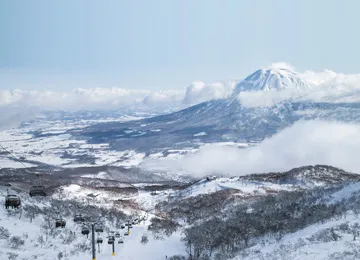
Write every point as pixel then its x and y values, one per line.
pixel 304 143
pixel 75 99
pixel 268 98
pixel 164 98
pixel 20 105
pixel 327 86
pixel 319 78
pixel 12 117
pixel 199 91
pixel 113 98
pixel 94 98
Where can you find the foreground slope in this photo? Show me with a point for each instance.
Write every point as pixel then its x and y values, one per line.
pixel 254 216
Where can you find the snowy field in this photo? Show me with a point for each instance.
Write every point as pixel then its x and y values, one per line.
pixel 45 142
pixel 49 143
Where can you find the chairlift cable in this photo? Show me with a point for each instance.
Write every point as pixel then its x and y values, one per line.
pixel 14 157
pixel 39 182
pixel 18 160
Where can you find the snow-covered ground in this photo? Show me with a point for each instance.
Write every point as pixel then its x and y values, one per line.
pixel 345 193
pixel 309 244
pixel 245 188
pixel 8 163
pixel 105 199
pixel 49 142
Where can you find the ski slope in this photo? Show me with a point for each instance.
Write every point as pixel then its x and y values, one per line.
pixel 30 232
pixel 245 188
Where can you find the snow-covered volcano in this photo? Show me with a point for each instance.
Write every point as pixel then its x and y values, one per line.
pixel 225 119
pixel 272 79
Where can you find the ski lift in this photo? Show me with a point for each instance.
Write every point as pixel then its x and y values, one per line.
pixel 111 240
pixel 85 230
pixel 130 226
pixel 120 241
pixel 12 201
pixel 79 218
pixel 60 223
pixel 122 226
pixel 99 228
pixel 99 240
pixel 117 234
pixel 37 191
pixel 126 234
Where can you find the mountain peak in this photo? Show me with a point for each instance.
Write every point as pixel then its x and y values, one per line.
pixel 272 79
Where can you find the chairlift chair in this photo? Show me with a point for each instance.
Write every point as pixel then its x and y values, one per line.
pixel 99 240
pixel 117 234
pixel 122 226
pixel 60 223
pixel 12 201
pixel 37 191
pixel 111 240
pixel 79 218
pixel 120 241
pixel 85 230
pixel 99 228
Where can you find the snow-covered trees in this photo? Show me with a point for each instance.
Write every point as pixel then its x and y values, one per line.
pixel 160 227
pixel 237 228
pixel 4 233
pixel 16 242
pixel 12 256
pixel 144 239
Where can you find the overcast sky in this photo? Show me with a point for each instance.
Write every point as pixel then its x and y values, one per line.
pixel 162 44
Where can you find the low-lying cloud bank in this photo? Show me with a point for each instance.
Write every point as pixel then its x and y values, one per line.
pixel 304 143
pixel 94 98
pixel 328 86
pixel 113 98
pixel 13 117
